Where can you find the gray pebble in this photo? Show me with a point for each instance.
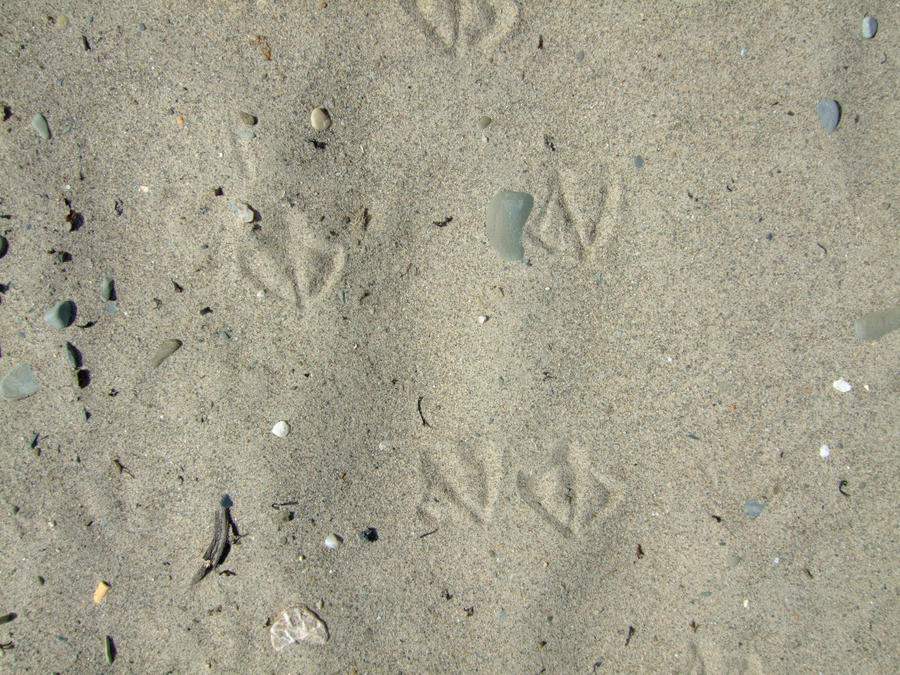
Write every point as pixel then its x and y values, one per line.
pixel 506 216
pixel 73 355
pixel 639 162
pixel 108 289
pixel 869 27
pixel 754 508
pixel 484 121
pixel 62 315
pixel 39 122
pixel 166 349
pixel 246 134
pixel 19 383
pixel 247 118
pixel 829 112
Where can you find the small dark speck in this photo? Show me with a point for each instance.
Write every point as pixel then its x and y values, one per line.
pixel 770 236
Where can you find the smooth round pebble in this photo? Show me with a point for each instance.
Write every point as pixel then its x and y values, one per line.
pixel 39 122
pixel 19 383
pixel 332 541
pixel 281 429
pixel 869 27
pixel 842 385
pixel 320 119
pixel 247 118
pixel 829 112
pixel 62 315
pixel 484 122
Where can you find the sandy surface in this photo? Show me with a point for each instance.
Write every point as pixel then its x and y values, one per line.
pixel 580 461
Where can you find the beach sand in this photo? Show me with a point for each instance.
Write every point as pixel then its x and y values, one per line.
pixel 561 456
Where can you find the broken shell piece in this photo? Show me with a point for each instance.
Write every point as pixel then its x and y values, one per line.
pixel 299 624
pixel 244 212
pixel 100 592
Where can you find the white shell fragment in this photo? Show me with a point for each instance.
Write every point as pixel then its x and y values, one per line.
pixel 299 624
pixel 243 212
pixel 824 451
pixel 842 385
pixel 281 429
pixel 332 541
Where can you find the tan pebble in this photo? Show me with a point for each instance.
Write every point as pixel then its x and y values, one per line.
pixel 100 592
pixel 320 119
pixel 180 122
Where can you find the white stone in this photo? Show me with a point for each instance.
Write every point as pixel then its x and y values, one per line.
pixel 332 541
pixel 842 385
pixel 299 624
pixel 824 451
pixel 320 119
pixel 281 429
pixel 243 212
pixel 482 318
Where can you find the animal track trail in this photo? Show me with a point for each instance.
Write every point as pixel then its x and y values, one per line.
pixel 577 215
pixel 289 258
pixel 460 26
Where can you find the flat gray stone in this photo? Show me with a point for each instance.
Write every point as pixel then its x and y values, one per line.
pixel 108 289
pixel 62 315
pixel 506 216
pixel 829 112
pixel 39 122
pixel 19 383
pixel 869 27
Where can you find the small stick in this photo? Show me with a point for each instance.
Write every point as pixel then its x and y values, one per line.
pixel 216 548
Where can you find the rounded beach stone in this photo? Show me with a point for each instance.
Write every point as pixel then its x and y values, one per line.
pixel 869 27
pixel 62 315
pixel 19 383
pixel 320 119
pixel 506 216
pixel 829 112
pixel 39 122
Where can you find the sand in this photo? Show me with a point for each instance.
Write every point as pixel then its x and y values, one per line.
pixel 558 488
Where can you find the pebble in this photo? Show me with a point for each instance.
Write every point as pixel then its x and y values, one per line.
pixel 320 119
pixel 166 349
pixel 506 216
pixel 824 451
pixel 754 508
pixel 876 324
pixel 842 385
pixel 108 289
pixel 248 119
pixel 829 112
pixel 869 27
pixel 73 354
pixel 332 541
pixel 639 162
pixel 39 122
pixel 484 122
pixel 246 134
pixel 243 211
pixel 4 246
pixel 62 315
pixel 281 429
pixel 19 383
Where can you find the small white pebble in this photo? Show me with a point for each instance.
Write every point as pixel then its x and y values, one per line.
pixel 261 293
pixel 319 119
pixel 332 541
pixel 482 318
pixel 383 446
pixel 824 451
pixel 281 429
pixel 842 385
pixel 243 212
